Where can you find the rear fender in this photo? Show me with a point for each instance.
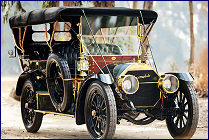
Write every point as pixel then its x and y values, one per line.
pixel 32 75
pixel 80 102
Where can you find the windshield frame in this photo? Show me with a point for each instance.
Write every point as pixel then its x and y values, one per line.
pixel 83 46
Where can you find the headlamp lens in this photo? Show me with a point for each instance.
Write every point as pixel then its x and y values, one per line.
pixel 130 84
pixel 127 85
pixel 170 84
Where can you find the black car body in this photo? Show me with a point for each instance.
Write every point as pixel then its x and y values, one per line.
pixel 94 64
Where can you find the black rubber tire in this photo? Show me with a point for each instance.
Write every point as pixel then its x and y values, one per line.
pixel 189 129
pixel 37 118
pixel 67 87
pixel 106 93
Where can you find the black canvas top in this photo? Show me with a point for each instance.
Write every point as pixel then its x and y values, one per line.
pixel 52 14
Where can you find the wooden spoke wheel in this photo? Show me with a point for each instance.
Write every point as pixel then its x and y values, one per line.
pixel 100 111
pixel 183 123
pixel 31 119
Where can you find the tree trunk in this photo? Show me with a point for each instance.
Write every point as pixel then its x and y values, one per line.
pixel 134 5
pixel 148 5
pixel 104 3
pixel 191 60
pixel 70 3
pixel 56 4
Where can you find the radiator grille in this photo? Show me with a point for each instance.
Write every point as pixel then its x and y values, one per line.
pixel 148 93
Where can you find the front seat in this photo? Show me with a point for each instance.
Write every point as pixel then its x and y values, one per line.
pixel 106 49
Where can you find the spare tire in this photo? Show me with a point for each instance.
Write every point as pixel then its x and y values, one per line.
pixel 61 91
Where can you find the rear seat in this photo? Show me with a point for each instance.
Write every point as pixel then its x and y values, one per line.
pixel 37 50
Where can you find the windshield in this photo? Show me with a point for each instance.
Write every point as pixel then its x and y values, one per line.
pixel 115 35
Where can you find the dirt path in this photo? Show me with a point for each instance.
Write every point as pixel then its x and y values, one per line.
pixel 61 127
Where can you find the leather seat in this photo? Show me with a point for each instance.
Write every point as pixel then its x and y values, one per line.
pixel 106 49
pixel 37 50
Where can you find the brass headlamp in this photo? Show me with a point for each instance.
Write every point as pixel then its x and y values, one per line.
pixel 129 84
pixel 168 83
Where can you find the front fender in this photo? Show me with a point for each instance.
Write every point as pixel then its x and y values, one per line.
pixel 105 78
pixel 184 76
pixel 80 102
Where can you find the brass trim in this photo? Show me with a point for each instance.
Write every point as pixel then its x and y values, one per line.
pixel 47 38
pixel 75 69
pixel 55 113
pixel 78 79
pixel 161 83
pixel 37 101
pixel 120 61
pixel 116 55
pixel 120 84
pixel 137 66
pixel 24 35
pixel 55 25
pixel 39 77
pixel 148 82
pixel 79 85
pixel 160 95
pixel 16 41
pixel 43 93
pixel 26 105
pixel 93 113
pixel 68 79
pixel 80 33
pixel 23 40
pixel 72 79
pixel 139 30
pixel 110 35
pixel 20 36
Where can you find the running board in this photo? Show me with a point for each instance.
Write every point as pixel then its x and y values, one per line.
pixel 55 113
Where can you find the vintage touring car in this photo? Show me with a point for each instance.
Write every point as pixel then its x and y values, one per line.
pixel 96 65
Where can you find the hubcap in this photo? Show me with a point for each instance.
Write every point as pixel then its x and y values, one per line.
pixel 93 113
